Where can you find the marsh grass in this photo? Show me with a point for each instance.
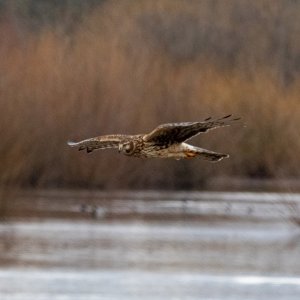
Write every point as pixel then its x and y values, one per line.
pixel 127 68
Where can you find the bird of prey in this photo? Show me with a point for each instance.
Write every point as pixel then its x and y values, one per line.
pixel 165 141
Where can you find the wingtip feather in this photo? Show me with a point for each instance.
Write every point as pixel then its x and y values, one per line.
pixel 226 117
pixel 72 144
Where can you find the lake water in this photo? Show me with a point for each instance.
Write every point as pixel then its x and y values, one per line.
pixel 149 245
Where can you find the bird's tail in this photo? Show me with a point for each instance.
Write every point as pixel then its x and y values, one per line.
pixel 205 154
pixel 213 156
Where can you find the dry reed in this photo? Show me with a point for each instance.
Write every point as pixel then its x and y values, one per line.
pixel 132 65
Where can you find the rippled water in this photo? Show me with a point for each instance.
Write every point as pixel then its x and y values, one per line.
pixel 151 246
pixel 120 284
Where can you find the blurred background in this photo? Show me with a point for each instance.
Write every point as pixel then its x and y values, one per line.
pixel 76 69
pixel 105 226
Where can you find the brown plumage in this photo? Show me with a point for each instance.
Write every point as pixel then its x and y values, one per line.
pixel 165 141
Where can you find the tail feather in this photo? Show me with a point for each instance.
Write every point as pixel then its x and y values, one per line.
pixel 213 156
pixel 205 154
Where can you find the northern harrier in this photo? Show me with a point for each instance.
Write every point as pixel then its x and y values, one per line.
pixel 167 140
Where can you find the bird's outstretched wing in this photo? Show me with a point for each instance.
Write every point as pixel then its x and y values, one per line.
pixel 100 142
pixel 179 132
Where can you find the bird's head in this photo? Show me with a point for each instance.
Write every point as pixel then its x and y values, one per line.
pixel 127 148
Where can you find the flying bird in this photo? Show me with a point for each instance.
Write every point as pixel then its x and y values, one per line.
pixel 165 141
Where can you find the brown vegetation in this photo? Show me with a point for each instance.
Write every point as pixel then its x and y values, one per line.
pixel 130 65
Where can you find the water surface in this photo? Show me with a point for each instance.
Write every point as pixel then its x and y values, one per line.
pixel 150 246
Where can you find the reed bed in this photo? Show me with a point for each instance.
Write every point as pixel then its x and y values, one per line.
pixel 128 66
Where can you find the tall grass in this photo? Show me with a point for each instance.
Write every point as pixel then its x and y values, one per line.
pixel 131 65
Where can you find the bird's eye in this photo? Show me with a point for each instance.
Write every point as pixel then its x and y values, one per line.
pixel 129 148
